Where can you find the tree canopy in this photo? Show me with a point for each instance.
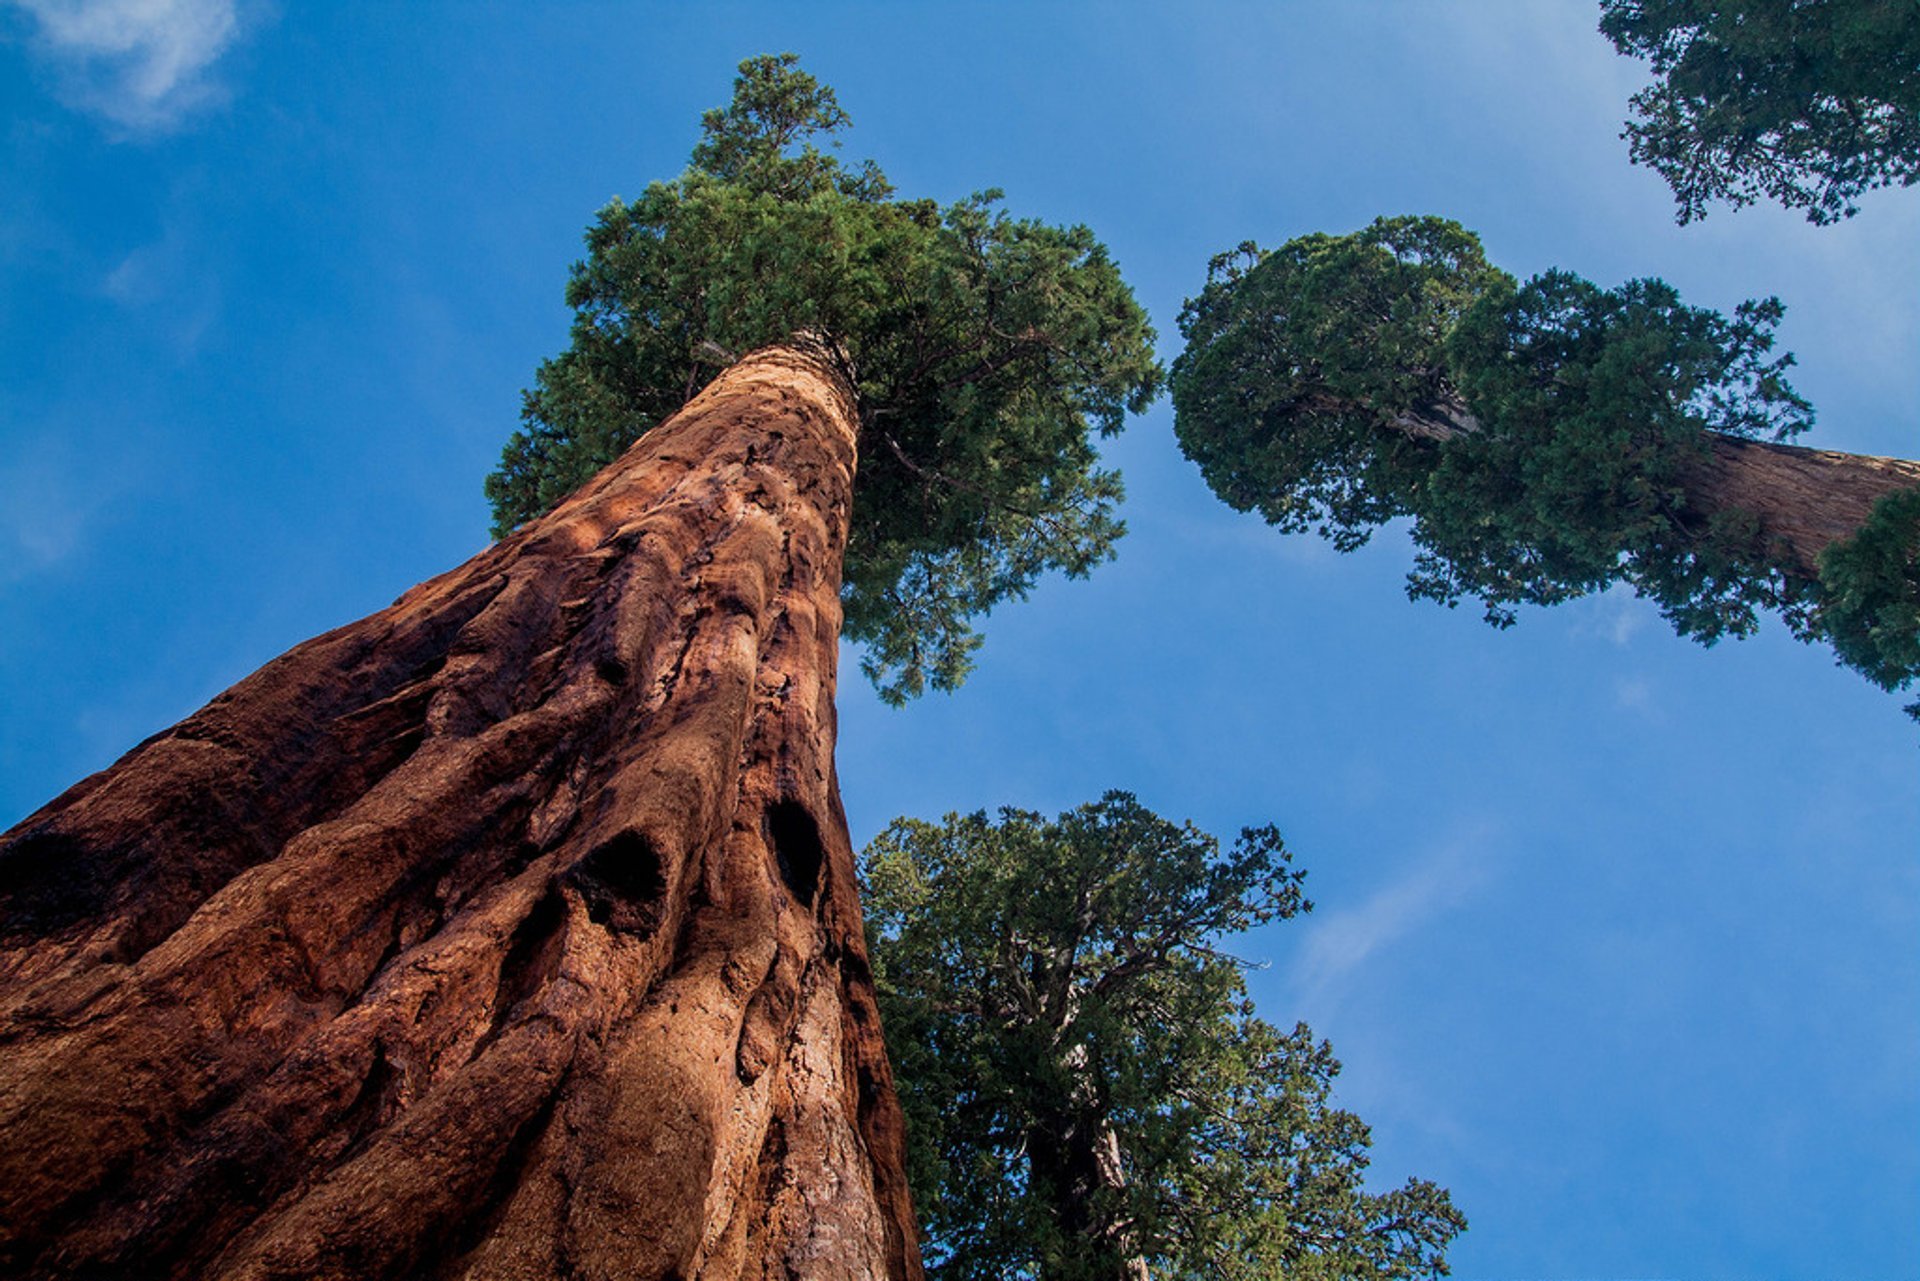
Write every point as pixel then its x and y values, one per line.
pixel 985 349
pixel 1539 434
pixel 1808 102
pixel 1084 1080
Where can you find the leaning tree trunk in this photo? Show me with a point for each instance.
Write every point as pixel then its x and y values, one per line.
pixel 1805 499
pixel 510 932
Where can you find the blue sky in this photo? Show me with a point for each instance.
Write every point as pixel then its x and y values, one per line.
pixel 1618 937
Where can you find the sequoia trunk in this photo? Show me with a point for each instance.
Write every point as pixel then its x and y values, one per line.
pixel 510 932
pixel 1806 499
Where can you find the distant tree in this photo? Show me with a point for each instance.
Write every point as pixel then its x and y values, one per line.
pixel 1808 102
pixel 1088 1093
pixel 1548 438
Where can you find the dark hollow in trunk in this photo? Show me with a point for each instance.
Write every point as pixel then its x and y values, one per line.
pixel 510 932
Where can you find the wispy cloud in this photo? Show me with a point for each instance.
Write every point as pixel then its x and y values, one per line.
pixel 142 64
pixel 52 507
pixel 1633 693
pixel 171 287
pixel 1339 944
pixel 1639 697
pixel 1618 614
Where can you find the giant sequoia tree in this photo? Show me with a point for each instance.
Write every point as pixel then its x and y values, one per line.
pixel 512 931
pixel 980 347
pixel 1088 1094
pixel 1547 438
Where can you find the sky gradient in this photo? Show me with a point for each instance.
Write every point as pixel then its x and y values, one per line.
pixel 1618 937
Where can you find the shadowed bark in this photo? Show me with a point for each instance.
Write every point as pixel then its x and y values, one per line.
pixel 510 932
pixel 1075 1156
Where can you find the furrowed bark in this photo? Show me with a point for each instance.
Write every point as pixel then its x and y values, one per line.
pixel 510 932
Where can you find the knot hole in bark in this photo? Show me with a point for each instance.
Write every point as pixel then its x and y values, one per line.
pixel 795 840
pixel 622 883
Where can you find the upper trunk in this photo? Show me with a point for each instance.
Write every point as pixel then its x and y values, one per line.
pixel 510 932
pixel 1075 1162
pixel 1806 499
pixel 1076 1165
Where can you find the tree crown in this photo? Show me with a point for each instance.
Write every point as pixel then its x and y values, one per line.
pixel 1047 983
pixel 984 349
pixel 1532 430
pixel 1538 434
pixel 1808 103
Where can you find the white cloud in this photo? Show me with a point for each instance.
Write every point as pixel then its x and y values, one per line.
pixel 52 508
pixel 1617 614
pixel 143 64
pixel 1338 944
pixel 1636 694
pixel 134 282
pixel 170 288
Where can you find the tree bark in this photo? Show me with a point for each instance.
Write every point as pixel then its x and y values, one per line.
pixel 1074 1157
pixel 510 932
pixel 1075 1160
pixel 1806 499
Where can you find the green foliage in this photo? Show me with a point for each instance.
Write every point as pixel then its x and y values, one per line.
pixel 1808 102
pixel 1870 595
pixel 1298 361
pixel 984 348
pixel 1048 987
pixel 1593 402
pixel 1536 433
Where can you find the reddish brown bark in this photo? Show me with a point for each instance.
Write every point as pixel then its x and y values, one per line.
pixel 510 932
pixel 1806 499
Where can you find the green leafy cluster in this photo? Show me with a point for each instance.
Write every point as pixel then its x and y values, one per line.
pixel 1297 361
pixel 985 350
pixel 1052 987
pixel 1870 595
pixel 1595 402
pixel 1808 102
pixel 1536 433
